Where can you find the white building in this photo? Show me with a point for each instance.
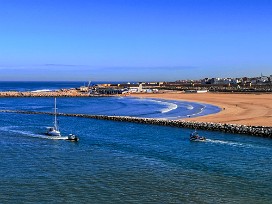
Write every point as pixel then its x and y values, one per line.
pixel 136 89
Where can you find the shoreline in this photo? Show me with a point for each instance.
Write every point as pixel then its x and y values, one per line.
pixel 240 109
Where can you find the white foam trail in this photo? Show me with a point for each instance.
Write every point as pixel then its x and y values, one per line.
pixel 57 138
pixel 201 110
pixel 40 136
pixel 7 128
pixel 237 144
pixel 190 107
pixel 225 142
pixel 41 90
pixel 234 144
pixel 171 106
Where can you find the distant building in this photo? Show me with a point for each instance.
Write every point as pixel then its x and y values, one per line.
pixel 104 85
pixel 136 89
pixel 84 88
pixel 264 79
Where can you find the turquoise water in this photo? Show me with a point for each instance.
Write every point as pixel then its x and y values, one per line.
pixel 119 162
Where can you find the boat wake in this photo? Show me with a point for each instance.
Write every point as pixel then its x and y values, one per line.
pixel 31 134
pixel 235 144
pixel 7 128
pixel 225 142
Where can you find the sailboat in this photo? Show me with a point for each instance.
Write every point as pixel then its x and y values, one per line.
pixel 55 132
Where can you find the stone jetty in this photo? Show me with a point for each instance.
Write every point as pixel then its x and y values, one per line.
pixel 57 93
pixel 262 131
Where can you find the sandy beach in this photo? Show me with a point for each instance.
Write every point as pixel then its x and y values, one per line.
pixel 243 109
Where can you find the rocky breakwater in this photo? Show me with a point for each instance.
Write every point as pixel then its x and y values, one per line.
pixel 261 131
pixel 230 128
pixel 58 93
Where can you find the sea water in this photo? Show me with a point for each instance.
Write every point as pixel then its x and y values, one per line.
pixel 121 162
pixel 45 85
pixel 123 106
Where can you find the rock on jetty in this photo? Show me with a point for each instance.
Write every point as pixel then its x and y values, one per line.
pixel 262 131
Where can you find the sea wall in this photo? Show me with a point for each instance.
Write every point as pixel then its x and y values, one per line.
pixel 261 131
pixel 59 93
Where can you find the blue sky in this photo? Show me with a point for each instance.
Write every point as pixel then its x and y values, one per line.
pixel 140 40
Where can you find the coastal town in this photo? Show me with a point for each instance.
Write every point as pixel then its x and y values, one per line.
pixel 229 85
pixel 244 84
pixel 237 97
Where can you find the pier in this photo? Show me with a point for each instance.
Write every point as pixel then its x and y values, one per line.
pixel 59 93
pixel 261 131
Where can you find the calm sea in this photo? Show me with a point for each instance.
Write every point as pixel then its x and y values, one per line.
pixel 119 162
pixel 45 85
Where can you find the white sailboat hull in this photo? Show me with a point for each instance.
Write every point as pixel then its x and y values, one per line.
pixel 54 133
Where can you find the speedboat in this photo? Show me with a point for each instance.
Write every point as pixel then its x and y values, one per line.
pixel 72 138
pixel 55 132
pixel 194 136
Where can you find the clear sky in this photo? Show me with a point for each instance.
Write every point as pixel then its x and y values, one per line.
pixel 140 40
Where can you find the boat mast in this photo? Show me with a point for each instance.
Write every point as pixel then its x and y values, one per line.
pixel 55 123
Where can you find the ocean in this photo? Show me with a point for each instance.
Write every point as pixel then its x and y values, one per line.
pixel 41 86
pixel 120 162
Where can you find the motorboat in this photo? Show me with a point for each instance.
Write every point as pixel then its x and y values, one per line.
pixel 55 132
pixel 72 138
pixel 194 136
